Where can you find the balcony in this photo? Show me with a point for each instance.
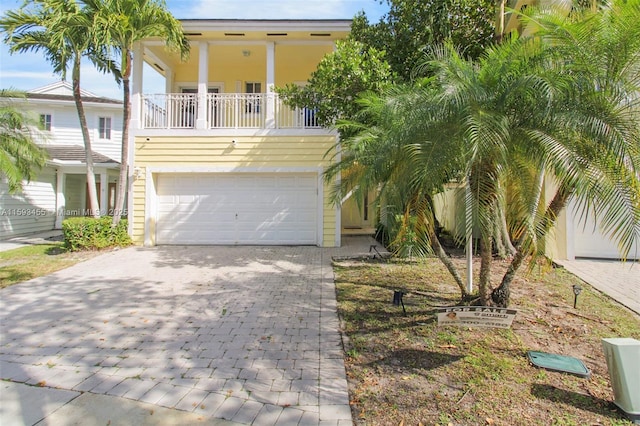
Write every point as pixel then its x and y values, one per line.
pixel 224 111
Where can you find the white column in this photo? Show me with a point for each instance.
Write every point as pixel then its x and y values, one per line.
pixel 168 81
pixel 271 82
pixel 104 192
pixel 203 80
pixel 136 87
pixel 60 200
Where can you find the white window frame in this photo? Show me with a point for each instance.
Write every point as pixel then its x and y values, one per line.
pixel 108 130
pixel 43 125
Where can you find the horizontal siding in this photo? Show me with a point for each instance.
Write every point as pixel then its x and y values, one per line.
pixel 32 210
pixel 275 151
pixel 220 151
pixel 65 127
pixel 137 234
pixel 329 225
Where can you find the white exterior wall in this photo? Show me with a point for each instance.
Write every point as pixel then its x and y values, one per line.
pixel 32 210
pixel 65 127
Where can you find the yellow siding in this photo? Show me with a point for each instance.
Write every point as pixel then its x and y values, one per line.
pixel 296 63
pixel 229 65
pixel 249 154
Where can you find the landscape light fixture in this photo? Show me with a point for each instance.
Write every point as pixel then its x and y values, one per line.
pixel 576 291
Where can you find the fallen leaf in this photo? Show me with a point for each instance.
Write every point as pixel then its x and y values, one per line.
pixel 489 421
pixel 42 383
pixel 151 412
pixel 401 422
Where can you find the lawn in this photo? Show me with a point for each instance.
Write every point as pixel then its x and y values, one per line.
pixel 406 370
pixel 34 261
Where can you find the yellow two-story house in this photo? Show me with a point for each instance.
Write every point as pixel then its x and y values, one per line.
pixel 219 158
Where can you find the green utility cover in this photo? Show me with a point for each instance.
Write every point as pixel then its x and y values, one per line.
pixel 565 364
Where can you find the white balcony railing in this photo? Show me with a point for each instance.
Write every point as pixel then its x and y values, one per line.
pixel 224 111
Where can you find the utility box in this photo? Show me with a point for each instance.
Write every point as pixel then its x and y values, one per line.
pixel 623 363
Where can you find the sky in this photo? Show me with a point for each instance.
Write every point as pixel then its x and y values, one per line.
pixel 25 71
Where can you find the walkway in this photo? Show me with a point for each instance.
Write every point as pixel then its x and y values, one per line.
pixel 620 280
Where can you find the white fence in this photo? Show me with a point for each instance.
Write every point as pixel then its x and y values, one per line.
pixel 224 111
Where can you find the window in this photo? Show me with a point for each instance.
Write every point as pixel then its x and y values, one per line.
pixel 45 122
pixel 104 127
pixel 253 87
pixel 253 102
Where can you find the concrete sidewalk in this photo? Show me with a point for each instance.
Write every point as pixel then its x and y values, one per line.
pixel 619 280
pixel 32 239
pixel 178 335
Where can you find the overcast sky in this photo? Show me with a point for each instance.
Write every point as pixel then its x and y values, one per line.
pixel 30 70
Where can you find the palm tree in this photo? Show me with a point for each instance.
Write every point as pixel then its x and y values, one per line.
pixel 20 156
pixel 121 24
pixel 60 29
pixel 527 111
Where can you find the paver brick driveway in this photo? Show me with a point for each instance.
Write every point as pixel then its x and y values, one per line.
pixel 248 334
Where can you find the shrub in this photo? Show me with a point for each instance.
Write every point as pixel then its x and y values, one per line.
pixel 88 233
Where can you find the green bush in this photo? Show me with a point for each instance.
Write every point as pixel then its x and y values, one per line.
pixel 88 233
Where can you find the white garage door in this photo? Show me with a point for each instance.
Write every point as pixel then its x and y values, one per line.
pixel 589 241
pixel 237 208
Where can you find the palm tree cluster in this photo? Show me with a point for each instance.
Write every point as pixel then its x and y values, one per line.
pixel 102 31
pixel 20 156
pixel 532 124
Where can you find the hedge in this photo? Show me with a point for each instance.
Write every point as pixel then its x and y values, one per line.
pixel 89 233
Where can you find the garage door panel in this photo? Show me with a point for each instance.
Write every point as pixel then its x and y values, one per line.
pixel 590 241
pixel 237 209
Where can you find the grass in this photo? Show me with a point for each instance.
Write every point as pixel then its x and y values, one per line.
pixel 405 369
pixel 34 261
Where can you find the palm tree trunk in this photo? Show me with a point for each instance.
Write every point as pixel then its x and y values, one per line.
pixel 124 160
pixel 486 257
pixel 444 258
pixel 91 178
pixel 500 295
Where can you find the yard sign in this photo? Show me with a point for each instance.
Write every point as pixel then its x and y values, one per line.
pixel 476 316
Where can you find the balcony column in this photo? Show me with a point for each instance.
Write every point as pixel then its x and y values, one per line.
pixel 168 81
pixel 270 121
pixel 203 80
pixel 136 87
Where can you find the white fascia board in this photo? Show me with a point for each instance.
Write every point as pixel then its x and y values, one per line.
pixel 80 164
pixel 231 133
pixel 266 25
pixel 65 103
pixel 232 169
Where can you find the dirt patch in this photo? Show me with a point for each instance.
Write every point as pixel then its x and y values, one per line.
pixel 405 369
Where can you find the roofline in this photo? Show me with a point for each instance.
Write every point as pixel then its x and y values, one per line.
pixel 66 163
pixel 63 100
pixel 60 83
pixel 266 24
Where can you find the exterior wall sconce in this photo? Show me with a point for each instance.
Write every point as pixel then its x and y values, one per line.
pixel 234 143
pixel 246 53
pixel 137 173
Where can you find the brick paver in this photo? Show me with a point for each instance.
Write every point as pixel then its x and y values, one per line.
pixel 620 280
pixel 247 334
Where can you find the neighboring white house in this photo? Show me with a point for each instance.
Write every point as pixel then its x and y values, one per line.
pixel 60 189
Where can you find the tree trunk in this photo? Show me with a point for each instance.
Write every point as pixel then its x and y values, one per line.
pixel 444 258
pixel 504 233
pixel 91 178
pixel 124 159
pixel 500 296
pixel 484 286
